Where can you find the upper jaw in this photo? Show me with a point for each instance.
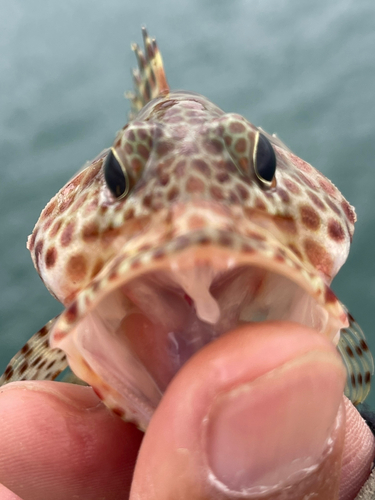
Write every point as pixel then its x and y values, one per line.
pixel 145 314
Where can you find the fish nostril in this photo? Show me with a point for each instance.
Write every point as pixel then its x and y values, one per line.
pixel 127 160
pixel 251 152
pixel 238 138
pixel 136 145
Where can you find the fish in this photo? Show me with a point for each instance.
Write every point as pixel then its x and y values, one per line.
pixel 192 222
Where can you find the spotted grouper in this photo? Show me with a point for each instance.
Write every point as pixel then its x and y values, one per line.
pixel 193 222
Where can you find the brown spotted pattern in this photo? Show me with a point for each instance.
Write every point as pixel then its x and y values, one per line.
pixel 36 360
pixel 179 152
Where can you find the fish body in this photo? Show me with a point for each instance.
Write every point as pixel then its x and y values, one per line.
pixel 193 222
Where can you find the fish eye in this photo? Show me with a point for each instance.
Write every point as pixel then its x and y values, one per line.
pixel 115 175
pixel 264 159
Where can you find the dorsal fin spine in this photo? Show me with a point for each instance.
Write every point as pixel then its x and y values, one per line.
pixel 149 78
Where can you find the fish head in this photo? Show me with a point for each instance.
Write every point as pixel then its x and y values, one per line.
pixel 194 222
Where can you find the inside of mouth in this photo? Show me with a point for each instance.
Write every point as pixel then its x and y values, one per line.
pixel 140 334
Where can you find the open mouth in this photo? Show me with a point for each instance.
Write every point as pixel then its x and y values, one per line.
pixel 140 323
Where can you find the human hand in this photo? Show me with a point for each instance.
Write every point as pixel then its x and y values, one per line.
pixel 246 411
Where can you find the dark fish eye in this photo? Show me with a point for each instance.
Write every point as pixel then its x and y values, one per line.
pixel 115 175
pixel 264 159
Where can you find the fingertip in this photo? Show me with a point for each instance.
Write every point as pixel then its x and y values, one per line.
pixel 59 440
pixel 358 455
pixel 173 460
pixel 262 433
pixel 6 494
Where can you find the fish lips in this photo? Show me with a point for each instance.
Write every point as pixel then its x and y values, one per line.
pixel 146 313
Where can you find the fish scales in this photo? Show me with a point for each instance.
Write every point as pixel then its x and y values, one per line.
pixel 194 221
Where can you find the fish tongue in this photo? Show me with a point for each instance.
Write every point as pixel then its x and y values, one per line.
pixel 196 283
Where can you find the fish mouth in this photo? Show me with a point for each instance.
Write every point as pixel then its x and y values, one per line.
pixel 145 315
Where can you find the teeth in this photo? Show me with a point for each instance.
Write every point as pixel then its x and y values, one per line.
pixel 196 283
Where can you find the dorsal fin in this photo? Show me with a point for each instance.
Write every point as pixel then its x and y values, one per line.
pixel 149 78
pixel 36 360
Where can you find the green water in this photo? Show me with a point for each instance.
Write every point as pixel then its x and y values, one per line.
pixel 303 69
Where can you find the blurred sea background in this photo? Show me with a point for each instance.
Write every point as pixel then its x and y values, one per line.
pixel 305 70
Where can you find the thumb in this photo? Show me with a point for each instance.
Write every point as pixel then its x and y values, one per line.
pixel 257 413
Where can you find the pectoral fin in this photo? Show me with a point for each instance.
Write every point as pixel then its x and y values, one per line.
pixel 358 361
pixel 36 360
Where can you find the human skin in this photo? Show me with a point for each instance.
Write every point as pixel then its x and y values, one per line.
pixel 246 411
